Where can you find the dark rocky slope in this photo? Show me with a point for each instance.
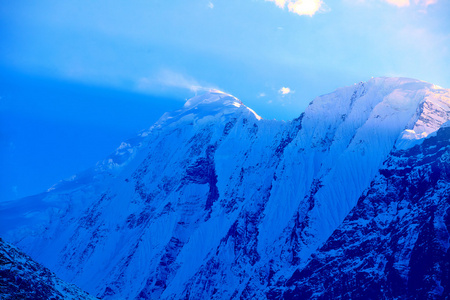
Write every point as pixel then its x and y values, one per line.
pixel 395 242
pixel 22 278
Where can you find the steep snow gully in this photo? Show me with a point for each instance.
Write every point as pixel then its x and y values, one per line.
pixel 349 200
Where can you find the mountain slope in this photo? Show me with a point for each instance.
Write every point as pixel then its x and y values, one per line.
pixel 213 202
pixel 22 278
pixel 395 242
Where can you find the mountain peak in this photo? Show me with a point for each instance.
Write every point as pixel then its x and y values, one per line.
pixel 386 102
pixel 213 98
pixel 214 103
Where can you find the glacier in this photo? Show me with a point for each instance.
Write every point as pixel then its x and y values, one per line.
pixel 214 202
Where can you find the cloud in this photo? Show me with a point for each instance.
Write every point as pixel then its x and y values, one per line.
pixel 426 2
pixel 399 3
pixel 279 3
pixel 211 5
pixel 285 91
pixel 405 3
pixel 304 7
pixel 15 190
pixel 170 79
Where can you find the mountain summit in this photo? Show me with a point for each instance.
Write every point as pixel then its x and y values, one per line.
pixel 213 202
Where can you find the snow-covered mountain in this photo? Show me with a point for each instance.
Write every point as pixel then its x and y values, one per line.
pixel 22 278
pixel 212 202
pixel 395 243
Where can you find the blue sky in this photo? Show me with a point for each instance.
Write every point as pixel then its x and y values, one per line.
pixel 64 64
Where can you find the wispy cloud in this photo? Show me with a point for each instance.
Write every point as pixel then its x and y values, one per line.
pixel 211 5
pixel 399 3
pixel 167 78
pixel 425 2
pixel 405 3
pixel 15 190
pixel 303 7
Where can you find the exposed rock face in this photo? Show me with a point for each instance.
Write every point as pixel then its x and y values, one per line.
pixel 23 278
pixel 215 203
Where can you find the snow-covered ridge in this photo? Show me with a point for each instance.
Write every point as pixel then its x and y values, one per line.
pixel 212 199
pixel 398 92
